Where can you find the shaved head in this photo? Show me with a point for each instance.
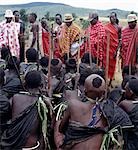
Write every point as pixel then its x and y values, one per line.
pixel 95 83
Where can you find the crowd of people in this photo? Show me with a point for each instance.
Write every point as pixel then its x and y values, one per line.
pixel 56 88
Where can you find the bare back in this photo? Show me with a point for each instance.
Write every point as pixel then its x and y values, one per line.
pixel 19 103
pixel 82 112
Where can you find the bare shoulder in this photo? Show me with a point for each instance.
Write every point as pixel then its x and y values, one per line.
pixel 16 98
pixel 23 98
pixel 72 97
pixel 18 95
pixel 126 105
pixel 35 26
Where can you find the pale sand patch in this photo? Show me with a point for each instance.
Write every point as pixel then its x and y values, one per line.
pixel 118 73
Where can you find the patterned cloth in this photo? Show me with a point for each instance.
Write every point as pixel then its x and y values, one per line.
pixel 27 67
pixel 9 36
pixel 69 35
pixel 57 30
pixel 114 41
pixel 129 45
pixel 97 37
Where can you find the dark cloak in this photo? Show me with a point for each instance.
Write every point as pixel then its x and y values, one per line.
pixel 12 85
pixel 132 136
pixel 77 133
pixel 115 117
pixel 16 135
pixel 5 112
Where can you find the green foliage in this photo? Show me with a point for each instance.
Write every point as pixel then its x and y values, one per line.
pixel 47 15
pixel 74 15
pixel 85 24
pixel 24 16
pixel 51 19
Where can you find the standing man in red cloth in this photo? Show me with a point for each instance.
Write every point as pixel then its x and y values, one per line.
pixel 96 36
pixel 45 37
pixel 114 32
pixel 130 42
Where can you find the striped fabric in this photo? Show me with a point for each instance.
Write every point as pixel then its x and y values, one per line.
pixel 45 42
pixel 114 41
pixel 129 44
pixel 68 37
pixel 97 37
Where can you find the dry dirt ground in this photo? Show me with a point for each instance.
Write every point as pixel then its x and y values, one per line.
pixel 118 73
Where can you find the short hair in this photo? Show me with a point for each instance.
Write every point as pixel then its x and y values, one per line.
pixel 2 74
pixel 33 79
pixel 117 20
pixel 44 61
pixel 32 55
pixel 115 94
pixel 59 15
pixel 97 18
pixel 127 79
pixel 97 82
pixel 54 62
pixel 86 58
pixel 133 85
pixel 13 62
pixel 100 72
pixel 71 64
pixel 84 74
pixel 114 13
pixel 15 11
pixel 126 70
pixel 65 57
pixel 34 15
pixel 4 53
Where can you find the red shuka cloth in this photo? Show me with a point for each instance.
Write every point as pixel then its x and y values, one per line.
pixel 129 45
pixel 46 45
pixel 97 36
pixel 113 32
pixel 45 42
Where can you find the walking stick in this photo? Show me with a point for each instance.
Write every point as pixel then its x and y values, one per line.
pixel 130 69
pixel 18 72
pixel 52 42
pixel 89 45
pixel 107 61
pixel 37 40
pixel 97 49
pixel 49 63
pixel 78 57
pixel 78 64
